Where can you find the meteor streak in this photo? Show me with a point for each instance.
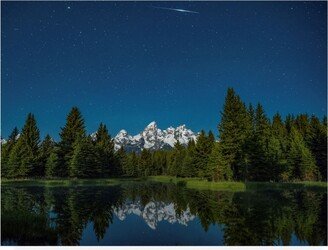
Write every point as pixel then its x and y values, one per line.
pixel 178 10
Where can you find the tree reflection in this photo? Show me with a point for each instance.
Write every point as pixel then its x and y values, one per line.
pixel 59 215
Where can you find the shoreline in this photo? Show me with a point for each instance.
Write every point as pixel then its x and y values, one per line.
pixel 192 183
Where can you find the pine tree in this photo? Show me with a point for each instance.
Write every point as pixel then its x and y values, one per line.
pixel 15 160
pixel 248 147
pixel 84 162
pixel 277 147
pixel 145 163
pixel 188 166
pixel 130 166
pixel 318 144
pixel 202 151
pixel 119 162
pixel 51 164
pixel 289 122
pixel 73 129
pixel 158 162
pixel 46 148
pixel 23 159
pixel 211 138
pixel 302 124
pixel 279 130
pixel 275 159
pixel 5 151
pixel 260 169
pixel 217 169
pixel 234 129
pixel 177 160
pixel 105 149
pixel 301 163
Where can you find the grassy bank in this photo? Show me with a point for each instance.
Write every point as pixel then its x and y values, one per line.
pixel 287 185
pixel 197 183
pixel 68 182
pixel 194 183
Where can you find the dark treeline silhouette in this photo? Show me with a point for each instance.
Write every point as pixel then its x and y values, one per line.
pixel 250 147
pixel 59 215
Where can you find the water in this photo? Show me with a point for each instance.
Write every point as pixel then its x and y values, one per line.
pixel 161 214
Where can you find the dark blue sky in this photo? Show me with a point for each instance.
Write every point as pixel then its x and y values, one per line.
pixel 127 64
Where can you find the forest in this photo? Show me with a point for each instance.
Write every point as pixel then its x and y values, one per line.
pixel 250 147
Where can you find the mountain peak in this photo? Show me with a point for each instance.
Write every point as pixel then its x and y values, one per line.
pixel 122 132
pixel 154 138
pixel 152 125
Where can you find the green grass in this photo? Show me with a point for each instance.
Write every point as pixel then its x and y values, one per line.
pixel 68 182
pixel 194 183
pixel 287 185
pixel 198 183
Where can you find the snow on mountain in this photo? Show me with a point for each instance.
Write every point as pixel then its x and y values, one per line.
pixel 4 141
pixel 154 212
pixel 154 138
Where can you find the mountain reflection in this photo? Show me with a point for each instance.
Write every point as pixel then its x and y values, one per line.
pixel 154 212
pixel 61 215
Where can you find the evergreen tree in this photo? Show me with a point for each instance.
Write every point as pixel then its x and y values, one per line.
pixel 318 144
pixel 202 151
pixel 158 162
pixel 84 162
pixel 5 151
pixel 145 163
pixel 234 129
pixel 73 129
pixel 130 166
pixel 217 169
pixel 279 130
pixel 15 159
pixel 105 150
pixel 302 123
pixel 46 148
pixel 23 159
pixel 248 147
pixel 188 166
pixel 301 164
pixel 275 160
pixel 13 137
pixel 289 122
pixel 51 164
pixel 177 159
pixel 260 169
pixel 119 162
pixel 210 138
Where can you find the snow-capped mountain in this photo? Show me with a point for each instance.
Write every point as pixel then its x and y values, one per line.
pixel 154 138
pixel 154 212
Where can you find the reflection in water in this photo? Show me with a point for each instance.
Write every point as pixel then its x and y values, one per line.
pixel 154 212
pixel 62 215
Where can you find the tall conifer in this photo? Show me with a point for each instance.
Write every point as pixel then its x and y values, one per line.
pixel 73 129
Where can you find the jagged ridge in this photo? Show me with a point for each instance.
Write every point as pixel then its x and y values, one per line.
pixel 154 138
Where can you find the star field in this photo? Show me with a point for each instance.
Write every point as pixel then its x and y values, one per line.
pixel 127 63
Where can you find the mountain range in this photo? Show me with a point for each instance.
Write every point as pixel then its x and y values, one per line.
pixel 154 138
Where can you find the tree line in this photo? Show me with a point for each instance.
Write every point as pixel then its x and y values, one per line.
pixel 250 147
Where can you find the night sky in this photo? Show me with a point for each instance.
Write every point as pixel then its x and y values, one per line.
pixel 129 63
